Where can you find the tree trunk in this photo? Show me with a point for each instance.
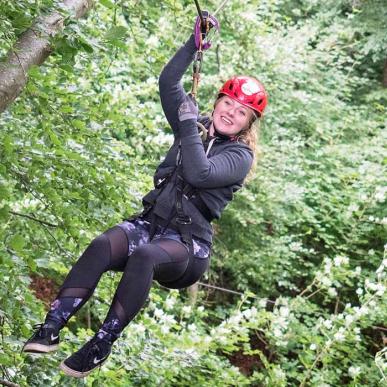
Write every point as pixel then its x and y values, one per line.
pixel 384 81
pixel 32 48
pixel 193 293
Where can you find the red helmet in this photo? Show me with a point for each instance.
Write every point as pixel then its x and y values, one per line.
pixel 247 91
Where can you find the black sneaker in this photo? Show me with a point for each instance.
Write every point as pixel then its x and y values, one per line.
pixel 92 355
pixel 45 339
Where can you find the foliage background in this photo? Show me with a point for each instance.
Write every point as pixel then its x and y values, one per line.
pixel 304 241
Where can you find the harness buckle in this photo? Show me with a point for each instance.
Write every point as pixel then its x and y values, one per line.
pixel 183 219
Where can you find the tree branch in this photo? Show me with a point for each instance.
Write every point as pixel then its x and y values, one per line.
pixel 33 48
pixel 33 218
pixel 8 384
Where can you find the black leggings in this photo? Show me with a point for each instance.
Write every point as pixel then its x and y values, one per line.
pixel 129 249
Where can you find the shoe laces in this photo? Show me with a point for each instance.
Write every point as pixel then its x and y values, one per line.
pixel 40 330
pixel 96 346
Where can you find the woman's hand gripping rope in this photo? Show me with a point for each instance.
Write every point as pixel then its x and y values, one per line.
pixel 202 27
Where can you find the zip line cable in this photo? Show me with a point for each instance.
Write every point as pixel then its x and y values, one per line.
pixel 227 291
pixel 220 7
pixel 234 292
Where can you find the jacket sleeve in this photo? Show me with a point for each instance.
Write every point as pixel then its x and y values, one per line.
pixel 172 93
pixel 226 168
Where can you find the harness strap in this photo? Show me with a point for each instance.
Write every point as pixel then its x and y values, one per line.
pixel 182 220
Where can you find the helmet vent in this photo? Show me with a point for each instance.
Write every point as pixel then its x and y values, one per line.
pixel 260 101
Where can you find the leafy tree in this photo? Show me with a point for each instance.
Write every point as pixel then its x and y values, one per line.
pixel 304 241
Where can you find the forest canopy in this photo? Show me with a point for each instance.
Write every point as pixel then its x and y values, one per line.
pixel 303 246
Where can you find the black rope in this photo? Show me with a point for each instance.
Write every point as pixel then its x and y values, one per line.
pixel 199 12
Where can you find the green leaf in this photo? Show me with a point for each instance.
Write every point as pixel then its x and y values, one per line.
pixel 17 242
pixel 107 4
pixel 7 144
pixel 4 212
pixel 54 138
pixel 116 33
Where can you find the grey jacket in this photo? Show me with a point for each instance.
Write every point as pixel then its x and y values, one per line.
pixel 215 177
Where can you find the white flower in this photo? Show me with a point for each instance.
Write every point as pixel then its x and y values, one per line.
pixel 362 311
pixel 222 331
pixel 207 340
pixel 326 281
pixel 327 266
pixel 158 312
pixel 169 302
pixel 277 332
pixel 139 329
pixel 353 208
pixel 353 371
pixel 234 320
pixel 186 309
pixel 380 289
pixel 359 291
pixel 200 308
pixel 262 303
pixel 295 246
pixel 327 324
pixel 380 194
pixel 164 329
pixel 340 335
pixel 349 319
pixel 340 260
pixel 153 41
pixel 332 292
pixel 167 319
pixel 284 311
pixel 313 347
pixel 371 218
pixel 279 374
pixel 358 269
pixel 192 327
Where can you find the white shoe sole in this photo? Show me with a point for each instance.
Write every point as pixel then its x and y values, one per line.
pixel 76 374
pixel 39 348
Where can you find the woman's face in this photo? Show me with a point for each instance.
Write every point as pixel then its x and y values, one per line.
pixel 230 116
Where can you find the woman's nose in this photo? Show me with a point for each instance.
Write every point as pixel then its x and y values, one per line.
pixel 230 111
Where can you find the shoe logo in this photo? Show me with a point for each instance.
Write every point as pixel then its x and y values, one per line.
pixel 97 361
pixel 54 337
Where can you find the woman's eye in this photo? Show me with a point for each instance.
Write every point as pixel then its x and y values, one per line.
pixel 242 113
pixel 227 102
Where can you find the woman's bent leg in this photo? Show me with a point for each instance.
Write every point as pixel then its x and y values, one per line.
pixel 164 259
pixel 106 252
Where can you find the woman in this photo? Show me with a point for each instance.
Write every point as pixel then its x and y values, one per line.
pixel 170 241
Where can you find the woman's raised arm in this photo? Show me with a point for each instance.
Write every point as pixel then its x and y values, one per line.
pixel 172 93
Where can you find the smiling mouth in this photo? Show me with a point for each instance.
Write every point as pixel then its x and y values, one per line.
pixel 226 120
